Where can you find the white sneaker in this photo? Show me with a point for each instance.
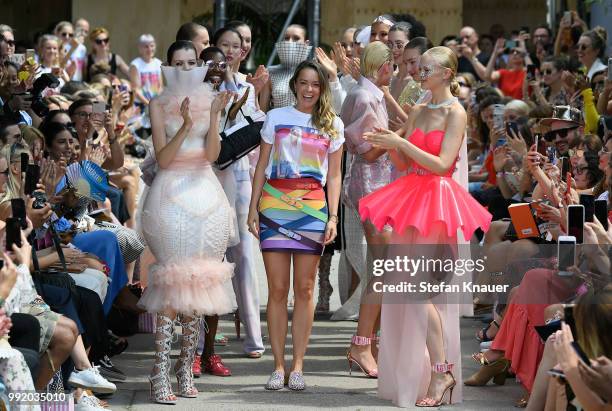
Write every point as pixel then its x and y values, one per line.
pixel 89 403
pixel 91 379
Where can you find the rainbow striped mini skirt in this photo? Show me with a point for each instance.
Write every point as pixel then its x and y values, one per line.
pixel 292 216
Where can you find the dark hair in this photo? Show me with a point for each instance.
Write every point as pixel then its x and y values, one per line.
pixel 448 38
pixel 402 26
pixel 300 27
pixel 417 30
pixel 179 45
pixel 421 43
pixel 593 172
pixel 545 27
pixel 51 130
pixel 598 37
pixel 73 87
pixel 234 24
pixel 7 121
pixel 188 31
pixel 78 104
pixel 208 52
pixel 50 118
pixel 486 36
pixel 560 63
pixel 222 31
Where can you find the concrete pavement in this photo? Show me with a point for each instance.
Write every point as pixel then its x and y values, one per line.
pixel 326 373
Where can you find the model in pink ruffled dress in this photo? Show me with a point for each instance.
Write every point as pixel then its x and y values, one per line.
pixel 419 360
pixel 187 220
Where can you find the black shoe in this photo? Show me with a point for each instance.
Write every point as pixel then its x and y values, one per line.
pixel 116 345
pixel 109 371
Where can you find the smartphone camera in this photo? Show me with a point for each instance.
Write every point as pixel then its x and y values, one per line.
pixel 566 254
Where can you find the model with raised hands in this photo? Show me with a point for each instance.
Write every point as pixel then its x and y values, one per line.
pixel 187 220
pixel 429 213
pixel 301 151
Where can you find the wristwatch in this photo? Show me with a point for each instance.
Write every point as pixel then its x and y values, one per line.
pixel 335 218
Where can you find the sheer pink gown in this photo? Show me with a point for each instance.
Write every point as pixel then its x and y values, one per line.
pixel 187 220
pixel 424 209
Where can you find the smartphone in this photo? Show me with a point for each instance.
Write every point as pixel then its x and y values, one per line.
pixel 500 142
pixel 511 128
pixel 510 44
pixel 19 211
pixel 575 222
pixel 32 177
pixel 525 29
pixel 581 353
pixel 531 72
pixel 122 88
pixel 551 152
pixel 566 254
pixel 541 146
pixel 556 373
pixel 588 201
pixel 498 115
pixel 25 160
pixel 610 69
pixel 30 56
pixel 567 16
pixel 13 233
pixel 565 167
pixel 99 107
pixel 600 209
pixel 568 317
pixel 546 330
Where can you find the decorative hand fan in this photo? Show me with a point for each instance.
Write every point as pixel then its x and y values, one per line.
pixel 88 180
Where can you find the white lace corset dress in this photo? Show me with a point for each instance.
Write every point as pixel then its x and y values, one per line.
pixel 187 220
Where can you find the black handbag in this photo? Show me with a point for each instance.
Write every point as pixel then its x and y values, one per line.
pixel 243 138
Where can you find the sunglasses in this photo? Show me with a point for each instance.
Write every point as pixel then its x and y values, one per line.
pixel 550 136
pixel 67 35
pixel 10 42
pixel 577 152
pixel 603 150
pixel 5 172
pixel 397 45
pixel 462 84
pixel 221 65
pixel 580 170
pixel 547 72
pixel 102 41
pixel 582 47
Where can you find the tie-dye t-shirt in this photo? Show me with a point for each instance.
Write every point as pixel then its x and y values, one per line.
pixel 299 149
pixel 150 76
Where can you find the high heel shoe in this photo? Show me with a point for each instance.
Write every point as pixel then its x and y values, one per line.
pixel 359 340
pixel 496 370
pixel 160 388
pixel 183 368
pixel 428 402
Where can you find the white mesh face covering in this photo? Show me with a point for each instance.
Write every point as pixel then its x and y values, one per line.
pixel 179 80
pixel 291 53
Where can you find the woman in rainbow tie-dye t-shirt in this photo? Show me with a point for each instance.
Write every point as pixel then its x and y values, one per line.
pixel 301 150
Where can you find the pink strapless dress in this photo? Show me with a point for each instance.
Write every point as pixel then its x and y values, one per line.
pixel 421 198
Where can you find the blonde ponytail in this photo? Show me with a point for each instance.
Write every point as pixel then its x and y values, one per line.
pixel 454 87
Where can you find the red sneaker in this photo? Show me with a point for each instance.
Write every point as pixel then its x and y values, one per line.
pixel 215 366
pixel 196 368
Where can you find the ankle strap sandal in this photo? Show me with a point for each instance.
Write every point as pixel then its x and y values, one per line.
pixel 360 340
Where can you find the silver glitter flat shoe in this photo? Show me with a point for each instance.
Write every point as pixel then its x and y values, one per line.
pixel 276 381
pixel 296 381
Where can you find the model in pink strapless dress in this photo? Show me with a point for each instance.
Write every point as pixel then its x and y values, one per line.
pixel 423 209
